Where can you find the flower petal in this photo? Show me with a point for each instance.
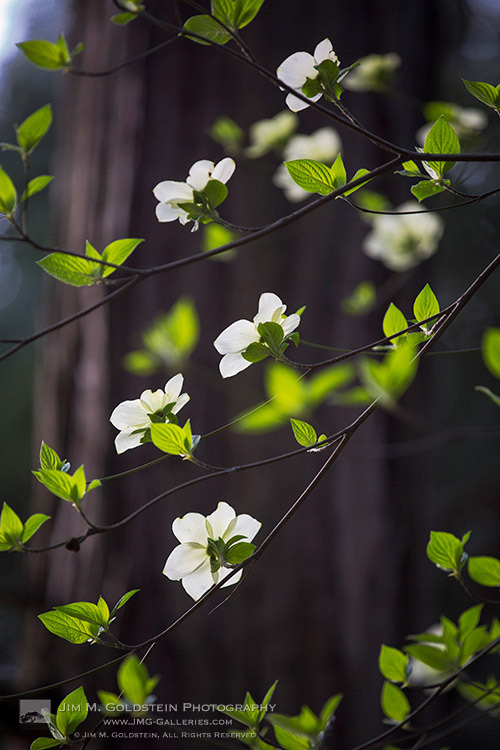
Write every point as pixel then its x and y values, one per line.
pixel 324 51
pixel 244 525
pixel 199 174
pixel 268 304
pixel 181 401
pixel 198 582
pixel 153 400
pixel 171 191
pixel 124 441
pixel 165 212
pixel 236 337
pixel 232 364
pixel 127 414
pixel 297 105
pixel 219 520
pixel 290 323
pixel 173 387
pixel 224 170
pixel 183 560
pixel 224 572
pixel 191 528
pixel 296 68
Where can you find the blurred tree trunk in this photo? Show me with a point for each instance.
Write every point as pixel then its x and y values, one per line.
pixel 334 586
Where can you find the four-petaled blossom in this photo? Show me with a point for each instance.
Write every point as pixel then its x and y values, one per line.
pixel 237 337
pixel 172 194
pixel 134 418
pixel 297 68
pixel 190 561
pixel 403 240
pixel 323 145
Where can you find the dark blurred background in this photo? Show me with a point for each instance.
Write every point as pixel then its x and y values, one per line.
pixel 350 571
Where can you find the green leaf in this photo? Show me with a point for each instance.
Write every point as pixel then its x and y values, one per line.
pixel 133 680
pixel 485 92
pixel 489 393
pixel 393 664
pixel 239 552
pixel 31 131
pixel 328 711
pixel 64 626
pixel 172 337
pixel 36 185
pixel 8 194
pixel 469 619
pixel 312 176
pixel 410 169
pixel 46 54
pixel 65 486
pixel 285 387
pixel 117 252
pixel 394 702
pixel 266 700
pixel 44 742
pixel 228 134
pixel 484 570
pixel 425 305
pixel 248 9
pixel 123 600
pixel 434 657
pixel 290 740
pixel 109 700
pixel 338 172
pixel 361 300
pixel 11 529
pixel 32 525
pixel 72 711
pixel 208 28
pixel 426 189
pixel 272 335
pixel 325 382
pixel 491 350
pixel 360 173
pixel 256 352
pixel 121 19
pixel 215 192
pixel 394 321
pixel 169 438
pixel 49 458
pixel 441 139
pixel 304 433
pixel 85 611
pixel 446 551
pixel 76 271
pixel 389 379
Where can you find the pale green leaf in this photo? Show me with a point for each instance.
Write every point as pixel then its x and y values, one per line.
pixel 72 711
pixel 484 570
pixel 312 176
pixel 31 131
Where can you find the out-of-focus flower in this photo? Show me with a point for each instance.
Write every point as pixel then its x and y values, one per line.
pixel 173 194
pixel 401 241
pixel 267 135
pixel 237 337
pixel 134 418
pixel 299 67
pixel 323 145
pixel 192 561
pixel 374 73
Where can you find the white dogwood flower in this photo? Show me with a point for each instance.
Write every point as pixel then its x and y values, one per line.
pixel 273 133
pixel 134 418
pixel 237 337
pixel 374 73
pixel 401 241
pixel 297 68
pixel 323 145
pixel 190 561
pixel 172 194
